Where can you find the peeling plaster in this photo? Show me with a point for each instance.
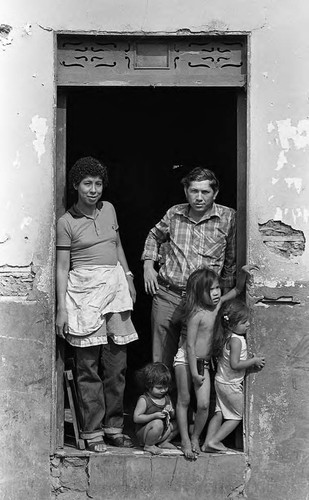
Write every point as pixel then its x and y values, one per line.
pixel 6 35
pixel 27 29
pixel 26 222
pixel 282 239
pixel 16 162
pixel 294 181
pixel 39 128
pixel 278 214
pixel 271 283
pixel 289 136
pixel 299 135
pixel 281 160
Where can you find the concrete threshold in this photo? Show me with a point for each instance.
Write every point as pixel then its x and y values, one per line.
pixel 129 474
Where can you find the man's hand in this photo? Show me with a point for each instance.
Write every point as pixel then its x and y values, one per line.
pixel 150 278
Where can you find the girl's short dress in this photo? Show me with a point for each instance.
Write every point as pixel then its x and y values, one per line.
pixel 229 384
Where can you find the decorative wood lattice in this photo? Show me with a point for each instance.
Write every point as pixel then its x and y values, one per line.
pixel 84 60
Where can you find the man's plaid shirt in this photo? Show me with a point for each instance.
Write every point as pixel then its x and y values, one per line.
pixel 189 245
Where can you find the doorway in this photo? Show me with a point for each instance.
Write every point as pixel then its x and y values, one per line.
pixel 149 139
pixel 150 136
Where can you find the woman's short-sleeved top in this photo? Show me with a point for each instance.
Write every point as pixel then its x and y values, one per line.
pixel 91 240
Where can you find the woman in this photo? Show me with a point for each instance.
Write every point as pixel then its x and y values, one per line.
pixel 95 294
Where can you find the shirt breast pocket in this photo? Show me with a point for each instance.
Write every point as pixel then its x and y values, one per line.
pixel 213 244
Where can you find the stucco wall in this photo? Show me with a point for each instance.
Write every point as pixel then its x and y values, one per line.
pixel 278 139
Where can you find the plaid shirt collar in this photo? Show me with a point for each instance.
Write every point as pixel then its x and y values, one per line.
pixel 184 209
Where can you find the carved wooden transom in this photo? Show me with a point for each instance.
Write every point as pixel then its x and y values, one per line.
pixel 187 61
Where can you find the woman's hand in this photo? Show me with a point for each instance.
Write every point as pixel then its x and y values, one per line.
pixel 62 328
pixel 131 288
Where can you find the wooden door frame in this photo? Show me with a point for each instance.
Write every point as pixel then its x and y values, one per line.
pixel 61 121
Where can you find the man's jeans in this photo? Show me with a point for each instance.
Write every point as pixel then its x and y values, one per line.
pixel 166 325
pixel 100 382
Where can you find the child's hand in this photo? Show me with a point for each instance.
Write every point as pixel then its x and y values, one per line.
pixel 168 409
pixel 248 268
pixel 198 380
pixel 259 361
pixel 160 415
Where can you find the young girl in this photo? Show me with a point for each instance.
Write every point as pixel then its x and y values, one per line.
pixel 191 363
pixel 230 345
pixel 154 413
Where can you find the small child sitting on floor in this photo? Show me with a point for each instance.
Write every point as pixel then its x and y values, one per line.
pixel 154 414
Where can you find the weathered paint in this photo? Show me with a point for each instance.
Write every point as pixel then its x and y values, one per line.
pixel 278 137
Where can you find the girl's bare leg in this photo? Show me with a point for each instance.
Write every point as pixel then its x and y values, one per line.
pixel 152 434
pixel 226 428
pixel 168 436
pixel 202 398
pixel 183 381
pixel 213 428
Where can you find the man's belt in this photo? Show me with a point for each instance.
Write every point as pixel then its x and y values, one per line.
pixel 173 288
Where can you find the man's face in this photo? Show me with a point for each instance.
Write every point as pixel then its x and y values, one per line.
pixel 200 196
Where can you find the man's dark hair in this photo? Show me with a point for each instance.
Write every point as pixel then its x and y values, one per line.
pixel 87 166
pixel 201 174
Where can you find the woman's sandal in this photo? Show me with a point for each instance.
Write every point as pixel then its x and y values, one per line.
pixel 119 440
pixel 96 446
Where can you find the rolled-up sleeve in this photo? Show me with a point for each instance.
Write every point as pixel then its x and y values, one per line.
pixel 156 236
pixel 228 275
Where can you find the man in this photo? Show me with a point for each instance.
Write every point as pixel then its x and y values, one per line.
pixel 194 234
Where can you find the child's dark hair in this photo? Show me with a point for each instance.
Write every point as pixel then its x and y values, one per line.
pixel 230 314
pixel 156 374
pixel 199 282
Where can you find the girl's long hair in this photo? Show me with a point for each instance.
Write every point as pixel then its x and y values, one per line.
pixel 230 314
pixel 198 291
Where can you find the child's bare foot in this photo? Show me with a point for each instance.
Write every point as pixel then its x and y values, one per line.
pixel 154 450
pixel 186 448
pixel 213 446
pixel 167 445
pixel 195 445
pixel 204 447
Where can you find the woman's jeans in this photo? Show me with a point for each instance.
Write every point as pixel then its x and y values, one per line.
pixel 100 383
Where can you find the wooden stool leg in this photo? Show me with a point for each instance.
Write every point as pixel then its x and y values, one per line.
pixel 71 391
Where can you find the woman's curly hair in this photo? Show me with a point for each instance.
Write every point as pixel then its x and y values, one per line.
pixel 87 166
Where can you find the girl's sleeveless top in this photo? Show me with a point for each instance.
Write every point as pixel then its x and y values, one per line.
pixel 225 374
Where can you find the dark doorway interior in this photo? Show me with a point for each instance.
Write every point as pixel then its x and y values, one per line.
pixel 150 138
